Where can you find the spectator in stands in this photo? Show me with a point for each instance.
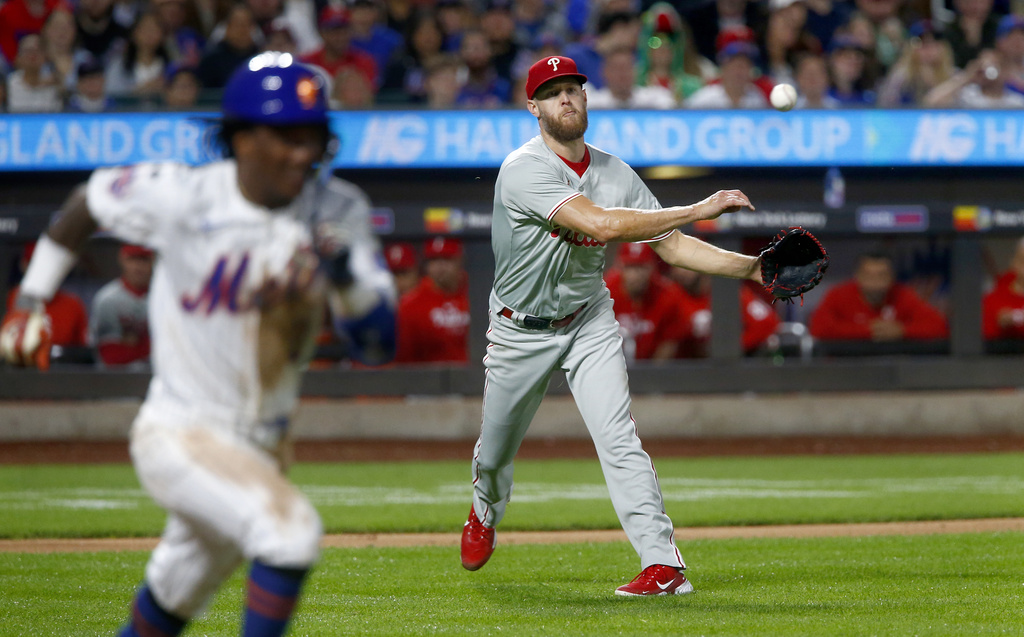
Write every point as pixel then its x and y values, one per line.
pixel 442 81
pixel 872 306
pixel 812 82
pixel 31 87
pixel 400 15
pixel 926 62
pixel 350 90
pixel 59 37
pixel 402 262
pixel 372 37
pixel 433 319
pixel 620 88
pixel 846 59
pixel 237 46
pixel 1002 313
pixel 119 320
pixel 407 76
pixel 708 19
pixel 139 71
pixel 337 52
pixel 786 37
pixel 668 57
pixel 483 87
pixel 279 37
pixel 183 43
pixel 98 32
pixel 69 322
pixel 499 26
pixel 533 17
pixel 981 85
pixel 888 32
pixel 181 91
pixel 90 95
pixel 648 306
pixel 825 17
pixel 616 30
pixel 973 30
pixel 759 320
pixel 862 31
pixel 544 45
pixel 454 16
pixel 1010 46
pixel 19 18
pixel 736 88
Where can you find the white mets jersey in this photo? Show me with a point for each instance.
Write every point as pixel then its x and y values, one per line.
pixel 211 360
pixel 541 269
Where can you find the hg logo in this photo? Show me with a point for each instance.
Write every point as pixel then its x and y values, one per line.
pixel 944 138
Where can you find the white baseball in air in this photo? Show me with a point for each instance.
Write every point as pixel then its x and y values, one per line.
pixel 783 97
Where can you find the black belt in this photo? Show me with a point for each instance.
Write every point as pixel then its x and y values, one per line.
pixel 537 323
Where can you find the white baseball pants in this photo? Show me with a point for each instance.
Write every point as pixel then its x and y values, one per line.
pixel 227 502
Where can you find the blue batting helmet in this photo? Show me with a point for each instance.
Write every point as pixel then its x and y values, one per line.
pixel 275 89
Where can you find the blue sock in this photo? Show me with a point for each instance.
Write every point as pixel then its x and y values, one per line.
pixel 270 599
pixel 149 620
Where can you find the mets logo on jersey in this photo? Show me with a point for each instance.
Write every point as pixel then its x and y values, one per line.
pixel 124 178
pixel 575 238
pixel 221 288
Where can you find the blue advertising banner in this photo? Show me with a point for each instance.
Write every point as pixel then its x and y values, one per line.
pixel 482 139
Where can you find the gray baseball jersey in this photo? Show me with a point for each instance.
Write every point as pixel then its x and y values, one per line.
pixel 550 272
pixel 116 314
pixel 541 269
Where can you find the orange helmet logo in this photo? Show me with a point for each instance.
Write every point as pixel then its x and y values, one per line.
pixel 307 91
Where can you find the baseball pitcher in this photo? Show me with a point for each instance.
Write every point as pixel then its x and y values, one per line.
pixel 248 250
pixel 557 203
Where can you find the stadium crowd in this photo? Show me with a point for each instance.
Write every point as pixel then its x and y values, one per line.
pixel 97 55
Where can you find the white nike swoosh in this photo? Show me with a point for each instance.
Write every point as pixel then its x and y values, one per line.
pixel 667 584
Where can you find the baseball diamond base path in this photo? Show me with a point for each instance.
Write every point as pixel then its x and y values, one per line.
pixel 391 540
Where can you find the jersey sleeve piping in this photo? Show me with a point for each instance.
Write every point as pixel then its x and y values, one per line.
pixel 561 203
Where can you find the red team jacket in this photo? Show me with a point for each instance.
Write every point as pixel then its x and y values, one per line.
pixel 433 326
pixel 759 322
pixel 843 314
pixel 656 318
pixel 1003 297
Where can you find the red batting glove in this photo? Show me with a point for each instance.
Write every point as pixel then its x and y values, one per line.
pixel 25 339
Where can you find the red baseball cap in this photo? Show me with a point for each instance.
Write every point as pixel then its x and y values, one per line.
pixel 132 250
pixel 637 254
pixel 400 256
pixel 739 33
pixel 442 248
pixel 548 69
pixel 332 16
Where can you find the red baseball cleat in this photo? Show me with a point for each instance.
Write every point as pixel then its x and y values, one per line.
pixel 477 542
pixel 657 579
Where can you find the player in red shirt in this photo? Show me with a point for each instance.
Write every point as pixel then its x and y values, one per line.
pixel 873 306
pixel 1002 309
pixel 69 319
pixel 433 319
pixel 337 53
pixel 759 318
pixel 647 306
pixel 402 262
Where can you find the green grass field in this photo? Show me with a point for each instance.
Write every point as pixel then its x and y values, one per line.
pixel 889 585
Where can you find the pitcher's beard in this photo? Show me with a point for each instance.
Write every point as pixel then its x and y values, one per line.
pixel 564 131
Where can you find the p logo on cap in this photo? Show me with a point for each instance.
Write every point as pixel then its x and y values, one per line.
pixel 550 68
